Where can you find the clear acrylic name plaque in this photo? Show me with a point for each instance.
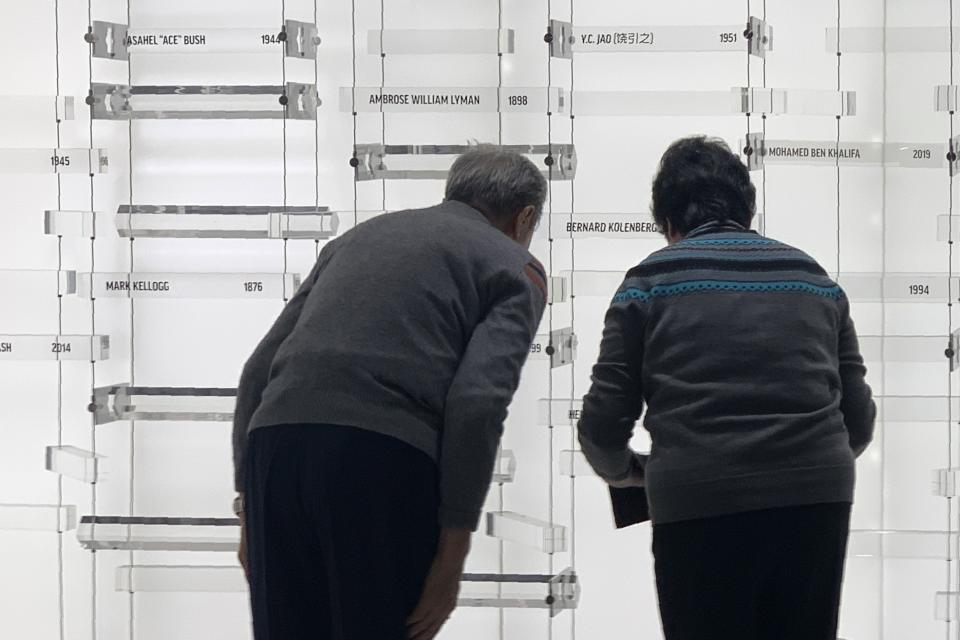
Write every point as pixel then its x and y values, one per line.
pixel 891 39
pixel 83 161
pixel 133 533
pixel 757 38
pixel 76 463
pixel 187 285
pixel 947 606
pixel 180 579
pixel 946 483
pixel 531 532
pixel 38 517
pixel 903 348
pixel 505 467
pixel 54 347
pixel 858 287
pixel 609 226
pixel 559 411
pixel 900 544
pixel 915 409
pixel 827 152
pixel 191 221
pixel 500 591
pixel 432 161
pixel 196 404
pixel 521 591
pixel 453 100
pixel 117 41
pixel 77 224
pixel 296 101
pixel 437 41
pixel 23 107
pixel 573 464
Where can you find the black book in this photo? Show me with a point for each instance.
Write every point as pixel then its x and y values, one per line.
pixel 629 506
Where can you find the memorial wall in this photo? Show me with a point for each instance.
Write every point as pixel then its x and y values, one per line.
pixel 170 169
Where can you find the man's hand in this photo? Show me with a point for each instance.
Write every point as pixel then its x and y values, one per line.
pixel 441 587
pixel 636 477
pixel 242 553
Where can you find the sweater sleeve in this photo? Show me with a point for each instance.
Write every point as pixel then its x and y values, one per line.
pixel 256 372
pixel 481 391
pixel 615 400
pixel 856 404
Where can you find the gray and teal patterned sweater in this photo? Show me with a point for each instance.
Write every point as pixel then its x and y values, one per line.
pixel 743 352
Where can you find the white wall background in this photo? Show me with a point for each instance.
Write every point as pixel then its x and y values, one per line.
pixel 887 223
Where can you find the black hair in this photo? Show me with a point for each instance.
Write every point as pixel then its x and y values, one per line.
pixel 701 180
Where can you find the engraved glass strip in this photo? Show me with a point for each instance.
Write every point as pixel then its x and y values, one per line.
pixel 916 408
pixel 204 102
pixel 22 107
pixel 801 102
pixel 824 152
pixel 902 544
pixel 79 224
pixel 432 161
pixel 946 483
pixel 559 411
pixel 505 467
pixel 453 99
pixel 226 222
pixel 38 517
pixel 891 39
pixel 159 534
pixel 40 280
pixel 556 289
pixel 944 228
pixel 180 579
pixel 694 38
pixel 300 39
pixel 199 404
pixel 859 287
pixel 54 347
pixel 610 226
pixel 431 41
pixel 85 161
pixel 574 464
pixel 73 462
pixel 560 350
pixel 521 591
pixel 653 103
pixel 538 534
pixel 947 606
pixel 187 285
pixel 903 348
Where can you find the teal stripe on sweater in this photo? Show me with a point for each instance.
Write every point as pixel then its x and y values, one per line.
pixel 701 286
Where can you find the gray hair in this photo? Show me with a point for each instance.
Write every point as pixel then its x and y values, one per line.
pixel 499 182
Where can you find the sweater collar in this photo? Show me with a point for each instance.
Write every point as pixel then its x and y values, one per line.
pixel 465 210
pixel 718 226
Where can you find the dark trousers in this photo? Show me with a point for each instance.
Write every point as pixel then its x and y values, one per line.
pixel 342 528
pixel 761 575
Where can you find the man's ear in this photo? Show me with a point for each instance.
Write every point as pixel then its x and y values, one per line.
pixel 527 218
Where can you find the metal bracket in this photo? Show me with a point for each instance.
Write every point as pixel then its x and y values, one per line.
pixel 106 401
pixel 560 38
pixel 563 347
pixel 564 592
pixel 953 156
pixel 110 40
pixel 759 37
pixel 755 151
pixel 302 39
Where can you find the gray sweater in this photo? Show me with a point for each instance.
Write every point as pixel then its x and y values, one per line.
pixel 414 325
pixel 745 355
